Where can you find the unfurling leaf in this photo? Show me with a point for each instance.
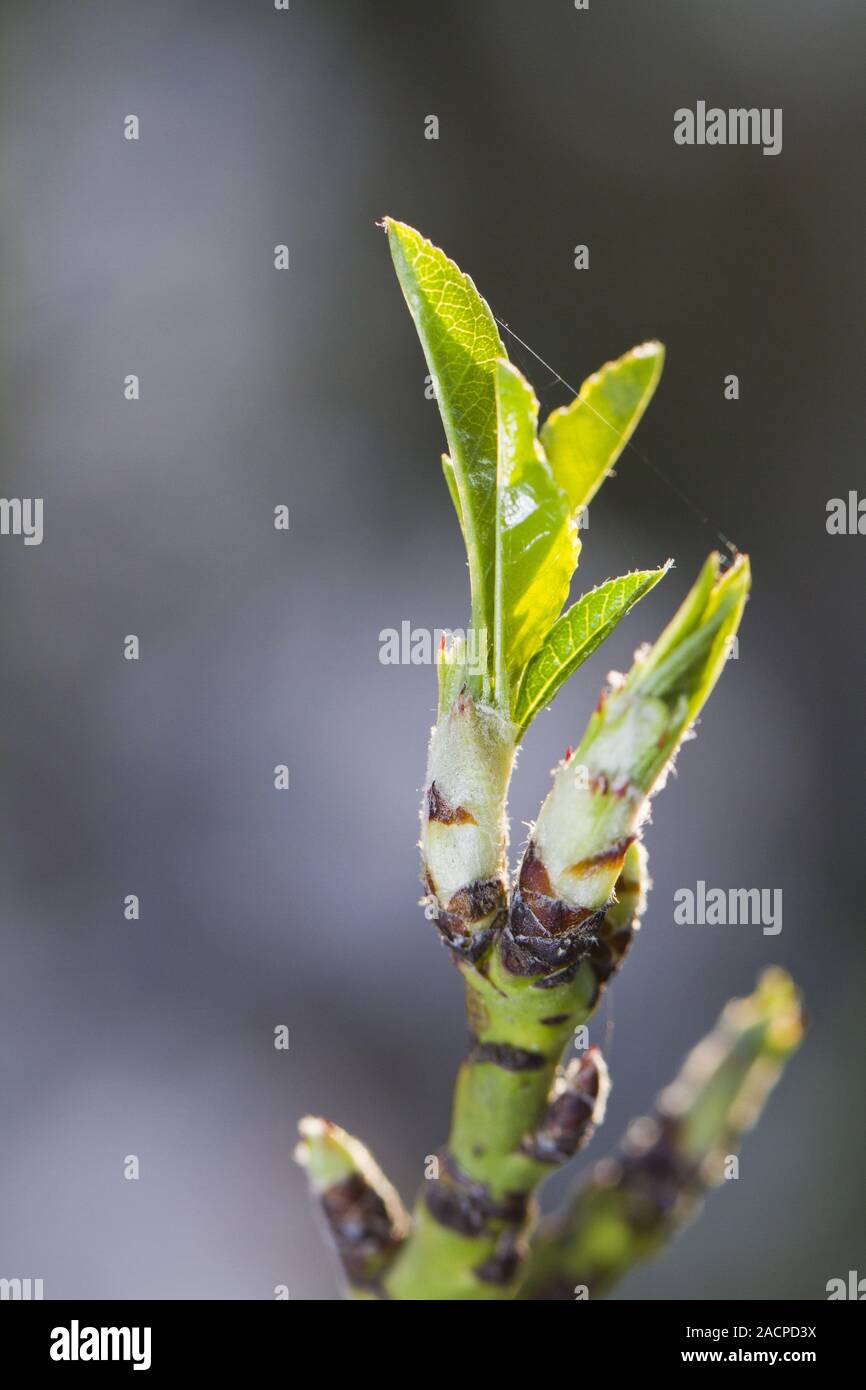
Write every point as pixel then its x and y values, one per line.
pixel 641 723
pixel 583 440
pixel 536 539
pixel 575 636
pixel 517 495
pixel 462 345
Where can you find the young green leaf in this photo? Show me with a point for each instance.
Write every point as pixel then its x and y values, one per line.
pixel 640 724
pixel 688 659
pixel 575 636
pixel 462 344
pixel 583 440
pixel 536 539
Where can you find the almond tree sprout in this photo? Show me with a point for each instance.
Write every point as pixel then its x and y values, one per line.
pixel 536 952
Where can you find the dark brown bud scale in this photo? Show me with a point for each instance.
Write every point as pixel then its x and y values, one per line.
pixel 466 1206
pixel 559 977
pixel 439 809
pixel 477 902
pixel 569 1120
pixel 615 855
pixel 609 950
pixel 544 933
pixel 501 1267
pixel 509 1058
pixel 534 877
pixel 655 1176
pixel 360 1227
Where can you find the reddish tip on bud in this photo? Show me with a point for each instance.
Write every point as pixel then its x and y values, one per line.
pixel 568 752
pixel 464 701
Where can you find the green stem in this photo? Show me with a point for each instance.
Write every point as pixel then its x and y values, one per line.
pixel 517 1116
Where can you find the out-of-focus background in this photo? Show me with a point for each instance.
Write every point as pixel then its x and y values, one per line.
pixel 306 387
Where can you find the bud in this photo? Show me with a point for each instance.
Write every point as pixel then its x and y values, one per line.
pixel 364 1214
pixel 587 825
pixel 576 1106
pixel 464 829
pixel 632 1204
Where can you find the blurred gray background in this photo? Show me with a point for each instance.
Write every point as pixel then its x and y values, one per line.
pixel 155 1038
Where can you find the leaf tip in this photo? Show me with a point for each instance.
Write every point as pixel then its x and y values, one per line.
pixel 652 347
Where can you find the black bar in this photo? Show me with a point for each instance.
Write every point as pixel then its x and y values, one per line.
pixel 222 1338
